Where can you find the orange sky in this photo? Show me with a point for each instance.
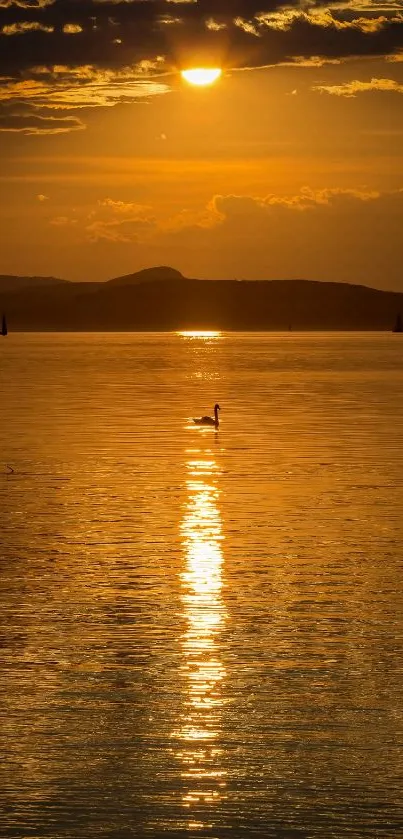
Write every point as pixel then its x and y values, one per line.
pixel 294 169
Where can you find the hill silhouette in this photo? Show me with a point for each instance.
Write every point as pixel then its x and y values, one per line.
pixel 9 282
pixel 162 299
pixel 148 275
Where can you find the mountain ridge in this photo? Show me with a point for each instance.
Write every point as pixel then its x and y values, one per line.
pixel 162 299
pixel 16 282
pixel 147 275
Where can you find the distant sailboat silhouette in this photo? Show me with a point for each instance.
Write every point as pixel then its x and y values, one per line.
pixel 398 327
pixel 4 330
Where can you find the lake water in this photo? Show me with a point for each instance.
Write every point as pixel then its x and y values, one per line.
pixel 202 631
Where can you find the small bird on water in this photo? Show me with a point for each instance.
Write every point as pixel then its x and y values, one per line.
pixel 209 420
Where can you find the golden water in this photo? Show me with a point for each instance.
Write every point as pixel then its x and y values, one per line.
pixel 201 630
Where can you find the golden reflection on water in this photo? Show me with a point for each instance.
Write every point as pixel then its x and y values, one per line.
pixel 200 333
pixel 205 616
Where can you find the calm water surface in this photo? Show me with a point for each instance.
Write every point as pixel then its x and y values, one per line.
pixel 201 631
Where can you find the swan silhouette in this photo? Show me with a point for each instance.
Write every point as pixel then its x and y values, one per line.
pixel 209 420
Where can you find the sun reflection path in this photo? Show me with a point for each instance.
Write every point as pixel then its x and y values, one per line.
pixel 205 334
pixel 205 616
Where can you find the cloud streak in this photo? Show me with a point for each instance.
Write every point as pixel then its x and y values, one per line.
pixel 121 221
pixel 350 89
pixel 31 123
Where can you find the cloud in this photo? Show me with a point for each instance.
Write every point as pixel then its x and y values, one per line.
pixel 63 88
pixel 284 19
pixel 32 123
pixel 122 231
pixel 62 221
pixel 26 4
pixel 350 89
pixel 59 55
pixel 247 26
pixel 117 220
pixel 114 214
pixel 80 87
pixel 112 35
pixel 333 234
pixel 110 220
pixel 214 25
pixel 224 206
pixel 238 210
pixel 72 28
pixel 21 28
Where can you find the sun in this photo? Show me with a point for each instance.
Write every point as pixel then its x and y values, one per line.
pixel 201 76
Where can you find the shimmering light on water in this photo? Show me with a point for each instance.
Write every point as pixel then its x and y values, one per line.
pixel 205 613
pixel 201 629
pixel 200 333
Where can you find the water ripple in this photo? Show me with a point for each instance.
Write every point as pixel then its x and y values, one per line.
pixel 201 630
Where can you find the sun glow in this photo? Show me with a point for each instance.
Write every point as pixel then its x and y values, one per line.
pixel 199 333
pixel 201 76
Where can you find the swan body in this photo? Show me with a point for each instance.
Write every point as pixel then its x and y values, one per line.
pixel 209 420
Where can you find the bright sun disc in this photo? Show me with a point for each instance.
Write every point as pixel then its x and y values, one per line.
pixel 202 76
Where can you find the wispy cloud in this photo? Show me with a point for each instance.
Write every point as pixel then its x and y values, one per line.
pixel 22 27
pixel 351 89
pixel 110 220
pixel 33 123
pixel 61 88
pixel 81 87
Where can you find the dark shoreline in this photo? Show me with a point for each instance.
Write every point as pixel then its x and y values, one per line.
pixel 171 305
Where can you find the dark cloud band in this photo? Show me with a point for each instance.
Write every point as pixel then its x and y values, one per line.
pixel 57 53
pixel 238 33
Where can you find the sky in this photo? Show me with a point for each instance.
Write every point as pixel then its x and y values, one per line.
pixel 289 166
